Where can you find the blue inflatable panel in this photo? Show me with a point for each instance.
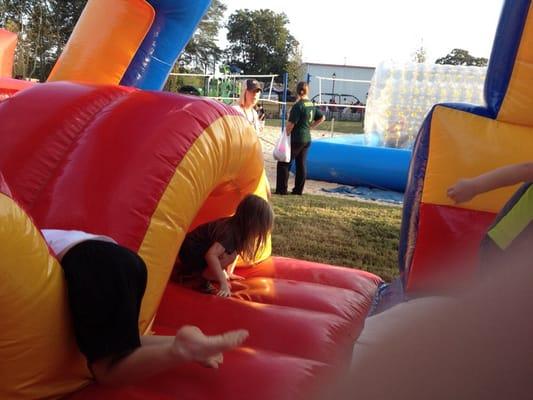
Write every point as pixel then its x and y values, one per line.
pixel 348 160
pixel 174 24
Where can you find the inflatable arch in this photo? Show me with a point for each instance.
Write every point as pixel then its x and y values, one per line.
pixel 144 167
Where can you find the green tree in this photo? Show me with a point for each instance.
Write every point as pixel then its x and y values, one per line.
pixel 202 52
pixel 420 55
pixel 462 57
pixel 260 43
pixel 295 69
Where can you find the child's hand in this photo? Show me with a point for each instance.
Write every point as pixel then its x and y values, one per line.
pixel 463 190
pixel 226 259
pixel 225 290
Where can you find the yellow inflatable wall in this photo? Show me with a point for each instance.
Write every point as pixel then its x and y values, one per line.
pixel 39 356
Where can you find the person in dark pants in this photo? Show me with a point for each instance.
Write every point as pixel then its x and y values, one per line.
pixel 302 118
pixel 105 286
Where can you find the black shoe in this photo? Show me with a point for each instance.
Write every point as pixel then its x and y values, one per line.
pixel 281 193
pixel 296 193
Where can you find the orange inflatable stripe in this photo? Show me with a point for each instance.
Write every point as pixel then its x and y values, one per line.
pixel 14 85
pixel 464 145
pixel 105 40
pixel 210 175
pixel 518 103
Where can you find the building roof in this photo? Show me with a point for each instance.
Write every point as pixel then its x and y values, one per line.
pixel 339 65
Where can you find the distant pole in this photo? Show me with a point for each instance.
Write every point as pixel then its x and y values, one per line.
pixel 284 106
pixel 333 87
pixel 308 78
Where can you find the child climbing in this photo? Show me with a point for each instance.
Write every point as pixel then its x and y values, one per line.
pixel 211 250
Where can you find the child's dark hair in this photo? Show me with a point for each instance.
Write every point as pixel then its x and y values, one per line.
pixel 302 88
pixel 252 223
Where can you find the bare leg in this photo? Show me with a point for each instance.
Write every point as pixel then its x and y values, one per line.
pixel 158 354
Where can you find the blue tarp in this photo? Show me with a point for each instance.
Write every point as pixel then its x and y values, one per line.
pixel 387 196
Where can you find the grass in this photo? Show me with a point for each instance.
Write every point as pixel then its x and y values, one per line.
pixel 338 126
pixel 338 231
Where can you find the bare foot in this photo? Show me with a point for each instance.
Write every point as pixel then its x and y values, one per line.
pixel 191 344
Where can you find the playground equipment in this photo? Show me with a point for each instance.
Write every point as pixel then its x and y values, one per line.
pixel 224 86
pixel 398 100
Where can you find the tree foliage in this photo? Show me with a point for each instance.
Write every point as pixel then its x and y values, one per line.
pixel 420 55
pixel 462 57
pixel 260 43
pixel 43 28
pixel 202 51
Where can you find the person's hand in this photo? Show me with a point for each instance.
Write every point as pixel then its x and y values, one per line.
pixel 225 290
pixel 463 190
pixel 226 259
pixel 235 277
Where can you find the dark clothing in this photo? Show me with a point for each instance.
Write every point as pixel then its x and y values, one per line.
pixel 197 243
pixel 298 153
pixel 105 285
pixel 303 113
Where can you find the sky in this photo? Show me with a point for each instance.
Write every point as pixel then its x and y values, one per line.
pixel 357 32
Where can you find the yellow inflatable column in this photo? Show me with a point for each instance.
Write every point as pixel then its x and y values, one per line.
pixel 39 357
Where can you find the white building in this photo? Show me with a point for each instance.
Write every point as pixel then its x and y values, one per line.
pixel 336 85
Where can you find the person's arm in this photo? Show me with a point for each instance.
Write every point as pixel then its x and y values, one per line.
pixel 294 116
pixel 318 122
pixel 289 128
pixel 215 269
pixel 466 189
pixel 319 118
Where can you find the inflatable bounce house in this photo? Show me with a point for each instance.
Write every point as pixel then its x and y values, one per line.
pixel 439 240
pixel 99 149
pixel 94 150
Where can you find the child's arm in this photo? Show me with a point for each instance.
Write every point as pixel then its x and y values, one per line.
pixel 231 269
pixel 215 269
pixel 466 189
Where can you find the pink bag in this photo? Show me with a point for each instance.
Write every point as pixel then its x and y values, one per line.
pixel 282 149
